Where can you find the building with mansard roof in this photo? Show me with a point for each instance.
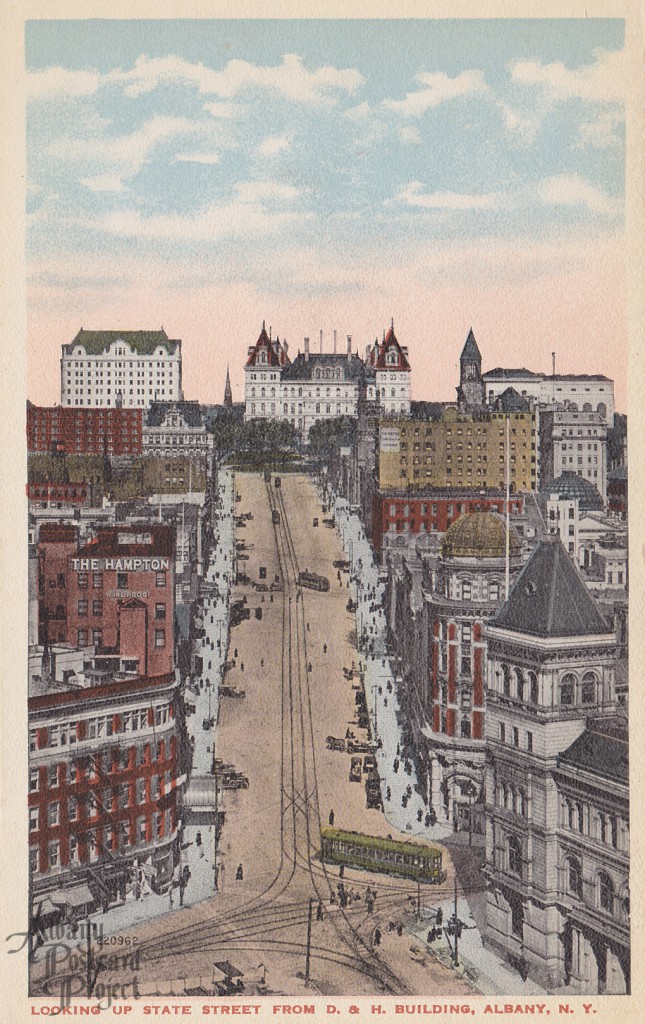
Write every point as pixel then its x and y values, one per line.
pixel 557 811
pixel 323 385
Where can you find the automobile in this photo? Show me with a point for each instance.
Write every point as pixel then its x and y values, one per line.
pixel 331 523
pixel 335 744
pixel 261 587
pixel 315 520
pixel 359 747
pixel 369 763
pixel 348 673
pixel 258 613
pixel 351 605
pixel 356 770
pixel 340 563
pixel 230 691
pixel 247 515
pixel 276 587
pixel 243 578
pixel 242 558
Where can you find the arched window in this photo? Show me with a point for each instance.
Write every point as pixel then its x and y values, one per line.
pixel 466 590
pixel 506 680
pixel 533 688
pixel 514 855
pixel 574 877
pixel 588 689
pixel 605 892
pixel 519 683
pixel 507 796
pixel 602 409
pixel 568 689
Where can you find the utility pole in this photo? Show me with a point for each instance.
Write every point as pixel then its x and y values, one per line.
pixel 307 961
pixel 88 936
pixel 418 899
pixel 456 928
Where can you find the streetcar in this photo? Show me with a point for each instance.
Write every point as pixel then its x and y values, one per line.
pixel 420 861
pixel 277 481
pixel 313 581
pixel 275 517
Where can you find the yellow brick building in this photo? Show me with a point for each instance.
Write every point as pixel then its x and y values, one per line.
pixel 458 451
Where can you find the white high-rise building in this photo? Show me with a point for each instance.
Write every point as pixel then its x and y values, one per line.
pixel 120 368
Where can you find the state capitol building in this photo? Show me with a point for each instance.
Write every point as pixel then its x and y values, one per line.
pixel 324 385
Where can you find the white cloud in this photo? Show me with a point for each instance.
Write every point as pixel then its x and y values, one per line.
pixel 57 81
pixel 413 195
pixel 104 183
pixel 603 81
pixel 601 133
pixel 439 88
pixel 572 190
pixel 274 144
pixel 410 135
pixel 198 158
pixel 289 79
pixel 125 154
pixel 225 111
pixel 258 208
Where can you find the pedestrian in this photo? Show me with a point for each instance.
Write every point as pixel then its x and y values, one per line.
pixel 439 918
pixel 170 897
pixel 319 911
pixel 239 874
pixel 307 627
pixel 377 936
pixel 399 930
pixel 261 662
pixel 324 648
pixel 235 653
pixel 331 817
pixel 341 871
pixel 241 666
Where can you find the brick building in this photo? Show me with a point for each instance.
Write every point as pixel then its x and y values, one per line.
pixel 459 452
pixel 399 516
pixel 50 494
pixel 114 593
pixel 73 431
pixel 106 776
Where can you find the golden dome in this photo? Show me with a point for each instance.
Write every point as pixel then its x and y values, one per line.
pixel 479 535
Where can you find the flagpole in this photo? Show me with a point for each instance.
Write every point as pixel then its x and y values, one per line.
pixel 508 505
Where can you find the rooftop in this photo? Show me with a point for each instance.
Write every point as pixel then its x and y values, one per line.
pixel 550 599
pixel 143 343
pixel 479 535
pixel 303 366
pixel 603 750
pixel 570 486
pixel 109 542
pixel 190 411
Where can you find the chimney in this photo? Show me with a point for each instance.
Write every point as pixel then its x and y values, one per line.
pixel 306 349
pixel 321 341
pixel 349 346
pixel 334 342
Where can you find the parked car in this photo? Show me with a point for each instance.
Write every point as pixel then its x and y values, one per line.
pixel 369 763
pixel 359 747
pixel 340 563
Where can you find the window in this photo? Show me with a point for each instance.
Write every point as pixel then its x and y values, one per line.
pixel 605 892
pixel 533 688
pixel 97 580
pixel 82 580
pixel 502 732
pixel 529 742
pixel 53 813
pixel 519 683
pixel 160 579
pixel 466 590
pixel 568 689
pixel 97 607
pixel 506 680
pixel 122 581
pixel 34 780
pixel 588 690
pixel 33 819
pixel 82 607
pixel 574 877
pixel 514 855
pixel 97 637
pixel 493 591
pixel 53 776
pixel 33 859
pixel 160 638
pixel 54 854
pixel 73 808
pixel 516 736
pixel 160 611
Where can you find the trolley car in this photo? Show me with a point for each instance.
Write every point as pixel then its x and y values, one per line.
pixel 420 861
pixel 275 517
pixel 313 581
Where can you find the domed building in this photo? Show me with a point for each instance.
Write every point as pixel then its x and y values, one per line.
pixel 571 487
pixel 464 588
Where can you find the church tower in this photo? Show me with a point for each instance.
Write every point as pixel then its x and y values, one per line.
pixel 228 393
pixel 471 393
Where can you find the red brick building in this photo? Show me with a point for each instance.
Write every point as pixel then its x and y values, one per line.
pixel 401 514
pixel 79 431
pixel 106 771
pixel 52 494
pixel 121 599
pixel 56 543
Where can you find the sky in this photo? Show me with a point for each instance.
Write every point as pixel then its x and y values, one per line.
pixel 205 176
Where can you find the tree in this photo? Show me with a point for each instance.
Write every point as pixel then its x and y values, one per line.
pixel 326 436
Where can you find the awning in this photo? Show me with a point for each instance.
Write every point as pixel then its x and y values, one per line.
pixel 201 794
pixel 79 896
pixel 42 907
pixel 228 970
